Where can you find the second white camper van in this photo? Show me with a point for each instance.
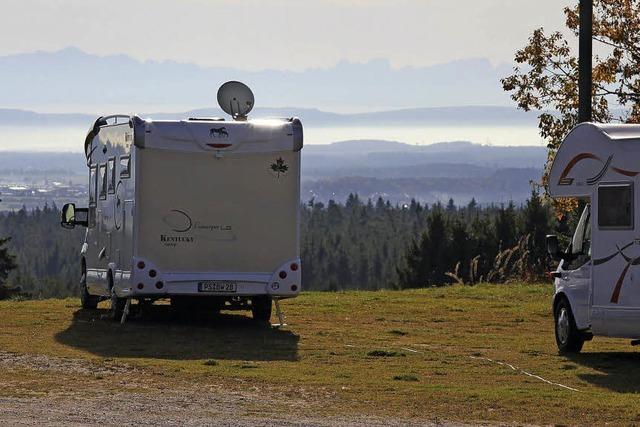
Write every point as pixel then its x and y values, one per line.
pixel 203 210
pixel 596 288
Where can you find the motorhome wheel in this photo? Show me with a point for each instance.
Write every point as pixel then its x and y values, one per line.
pixel 568 338
pixel 117 307
pixel 88 301
pixel 117 304
pixel 189 308
pixel 261 309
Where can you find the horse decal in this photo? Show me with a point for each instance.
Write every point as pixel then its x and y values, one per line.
pixel 218 133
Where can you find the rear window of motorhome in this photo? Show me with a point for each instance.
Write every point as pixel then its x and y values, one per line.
pixel 125 167
pixel 103 182
pixel 615 206
pixel 112 175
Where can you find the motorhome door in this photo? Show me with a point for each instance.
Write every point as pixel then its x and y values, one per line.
pixel 616 256
pixel 576 270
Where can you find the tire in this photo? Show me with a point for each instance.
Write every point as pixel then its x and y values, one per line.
pixel 117 307
pixel 180 308
pixel 117 304
pixel 195 308
pixel 568 338
pixel 261 309
pixel 88 301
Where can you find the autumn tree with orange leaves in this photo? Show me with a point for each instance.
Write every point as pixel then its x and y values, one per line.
pixel 545 76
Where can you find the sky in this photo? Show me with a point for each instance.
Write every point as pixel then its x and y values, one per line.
pixel 279 34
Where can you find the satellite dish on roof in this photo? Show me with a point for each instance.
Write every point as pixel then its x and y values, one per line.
pixel 236 99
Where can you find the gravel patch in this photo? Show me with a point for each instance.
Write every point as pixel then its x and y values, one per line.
pixel 190 405
pixel 41 362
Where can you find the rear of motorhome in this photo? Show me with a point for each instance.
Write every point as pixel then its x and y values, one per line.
pixel 198 210
pixel 597 281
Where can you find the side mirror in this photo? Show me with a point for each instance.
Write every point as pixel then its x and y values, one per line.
pixel 553 247
pixel 72 216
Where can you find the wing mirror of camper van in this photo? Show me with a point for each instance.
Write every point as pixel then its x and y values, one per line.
pixel 72 216
pixel 553 247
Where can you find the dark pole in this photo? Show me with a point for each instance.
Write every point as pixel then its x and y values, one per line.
pixel 584 60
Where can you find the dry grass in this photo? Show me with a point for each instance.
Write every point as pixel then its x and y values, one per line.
pixel 426 354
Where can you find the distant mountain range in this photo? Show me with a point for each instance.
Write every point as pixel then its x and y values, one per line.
pixel 392 170
pixel 72 77
pixel 382 159
pixel 435 116
pixel 429 173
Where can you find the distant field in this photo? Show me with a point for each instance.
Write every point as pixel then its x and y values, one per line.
pixel 415 356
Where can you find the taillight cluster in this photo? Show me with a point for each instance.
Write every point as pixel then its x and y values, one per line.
pixel 283 274
pixel 152 273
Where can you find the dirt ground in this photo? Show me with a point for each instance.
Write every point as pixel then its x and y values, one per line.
pixel 185 405
pixel 474 355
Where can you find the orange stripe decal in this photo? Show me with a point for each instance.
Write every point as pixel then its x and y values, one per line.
pixel 625 172
pixel 616 292
pixel 582 156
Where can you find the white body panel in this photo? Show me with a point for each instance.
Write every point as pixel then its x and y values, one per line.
pixel 600 164
pixel 200 201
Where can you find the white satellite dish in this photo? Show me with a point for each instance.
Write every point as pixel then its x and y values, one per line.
pixel 236 99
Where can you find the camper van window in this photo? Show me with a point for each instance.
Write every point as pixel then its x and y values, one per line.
pixel 125 167
pixel 92 185
pixel 615 206
pixel 112 175
pixel 581 242
pixel 103 182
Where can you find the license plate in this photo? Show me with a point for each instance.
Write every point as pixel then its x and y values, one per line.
pixel 217 286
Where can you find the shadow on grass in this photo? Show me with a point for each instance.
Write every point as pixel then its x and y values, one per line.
pixel 158 335
pixel 618 370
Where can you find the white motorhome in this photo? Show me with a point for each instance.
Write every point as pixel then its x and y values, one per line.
pixel 597 282
pixel 203 211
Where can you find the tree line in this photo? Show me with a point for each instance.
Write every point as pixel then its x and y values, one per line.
pixel 366 245
pixel 43 254
pixel 352 245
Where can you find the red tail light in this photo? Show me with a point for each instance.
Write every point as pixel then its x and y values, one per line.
pixel 293 266
pixel 140 265
pixel 140 285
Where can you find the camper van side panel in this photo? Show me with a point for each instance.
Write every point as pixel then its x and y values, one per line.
pixel 616 294
pixel 109 236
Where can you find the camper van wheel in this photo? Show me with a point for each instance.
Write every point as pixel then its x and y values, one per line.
pixel 261 309
pixel 88 301
pixel 568 338
pixel 117 304
pixel 117 307
pixel 180 308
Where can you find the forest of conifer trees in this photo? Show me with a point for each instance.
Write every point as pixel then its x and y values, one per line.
pixel 352 245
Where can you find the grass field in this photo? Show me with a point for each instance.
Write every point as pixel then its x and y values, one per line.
pixel 425 355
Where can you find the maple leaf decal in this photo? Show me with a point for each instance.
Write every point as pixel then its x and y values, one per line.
pixel 279 167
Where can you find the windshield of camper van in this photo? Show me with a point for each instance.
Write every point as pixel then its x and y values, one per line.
pixel 581 243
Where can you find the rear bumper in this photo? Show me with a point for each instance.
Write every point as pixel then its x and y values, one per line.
pixel 150 281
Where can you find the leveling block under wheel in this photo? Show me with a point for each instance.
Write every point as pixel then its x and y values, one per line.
pixel 279 313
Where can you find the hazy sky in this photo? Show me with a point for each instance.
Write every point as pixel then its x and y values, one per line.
pixel 279 34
